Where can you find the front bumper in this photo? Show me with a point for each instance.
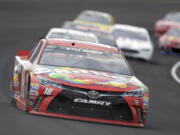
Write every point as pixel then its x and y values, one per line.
pixel 123 111
pixel 146 55
pixel 134 124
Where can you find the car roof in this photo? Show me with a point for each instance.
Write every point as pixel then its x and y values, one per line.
pixel 80 44
pixel 105 14
pixel 172 16
pixel 173 13
pixel 69 31
pixel 130 28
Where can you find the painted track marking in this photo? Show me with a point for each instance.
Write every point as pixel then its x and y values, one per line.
pixel 174 72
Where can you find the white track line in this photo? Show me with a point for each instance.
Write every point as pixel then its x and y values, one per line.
pixel 174 72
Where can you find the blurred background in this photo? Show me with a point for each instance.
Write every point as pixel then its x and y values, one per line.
pixel 23 22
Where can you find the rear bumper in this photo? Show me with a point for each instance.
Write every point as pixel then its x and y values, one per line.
pixel 133 124
pixel 170 50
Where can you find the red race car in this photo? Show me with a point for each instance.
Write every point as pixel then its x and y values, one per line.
pixel 80 81
pixel 171 20
pixel 170 42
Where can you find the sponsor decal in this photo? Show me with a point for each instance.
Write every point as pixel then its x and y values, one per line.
pixel 16 76
pixel 15 94
pixel 31 102
pixel 41 70
pixel 66 74
pixel 145 102
pixel 34 86
pixel 32 97
pixel 146 99
pixel 170 38
pixel 83 50
pixel 33 93
pixel 16 80
pixel 114 83
pixel 67 70
pixel 93 94
pixel 22 83
pixel 92 101
pixel 68 78
pixel 48 91
pixel 136 102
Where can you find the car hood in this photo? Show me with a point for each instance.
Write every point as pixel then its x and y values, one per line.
pixel 88 78
pixel 133 43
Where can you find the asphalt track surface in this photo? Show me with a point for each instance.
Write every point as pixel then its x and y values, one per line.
pixel 23 23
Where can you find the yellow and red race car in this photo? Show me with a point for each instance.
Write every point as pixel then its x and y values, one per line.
pixel 102 20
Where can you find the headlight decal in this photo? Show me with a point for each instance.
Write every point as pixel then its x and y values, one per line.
pixel 134 93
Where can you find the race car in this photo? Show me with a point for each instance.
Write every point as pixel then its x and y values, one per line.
pixel 100 20
pixel 103 36
pixel 78 80
pixel 170 42
pixel 171 20
pixel 133 41
pixel 59 33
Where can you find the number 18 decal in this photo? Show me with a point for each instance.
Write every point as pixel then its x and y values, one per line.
pixel 48 91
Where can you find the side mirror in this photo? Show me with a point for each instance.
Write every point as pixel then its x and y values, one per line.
pixel 22 53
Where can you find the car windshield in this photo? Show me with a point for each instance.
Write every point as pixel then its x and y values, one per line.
pixel 174 32
pixel 73 36
pixel 173 17
pixel 117 33
pixel 61 56
pixel 96 18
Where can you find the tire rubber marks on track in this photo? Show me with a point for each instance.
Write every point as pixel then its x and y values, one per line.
pixel 174 72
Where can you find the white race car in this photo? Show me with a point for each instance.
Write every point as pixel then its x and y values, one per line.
pixel 133 41
pixel 59 33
